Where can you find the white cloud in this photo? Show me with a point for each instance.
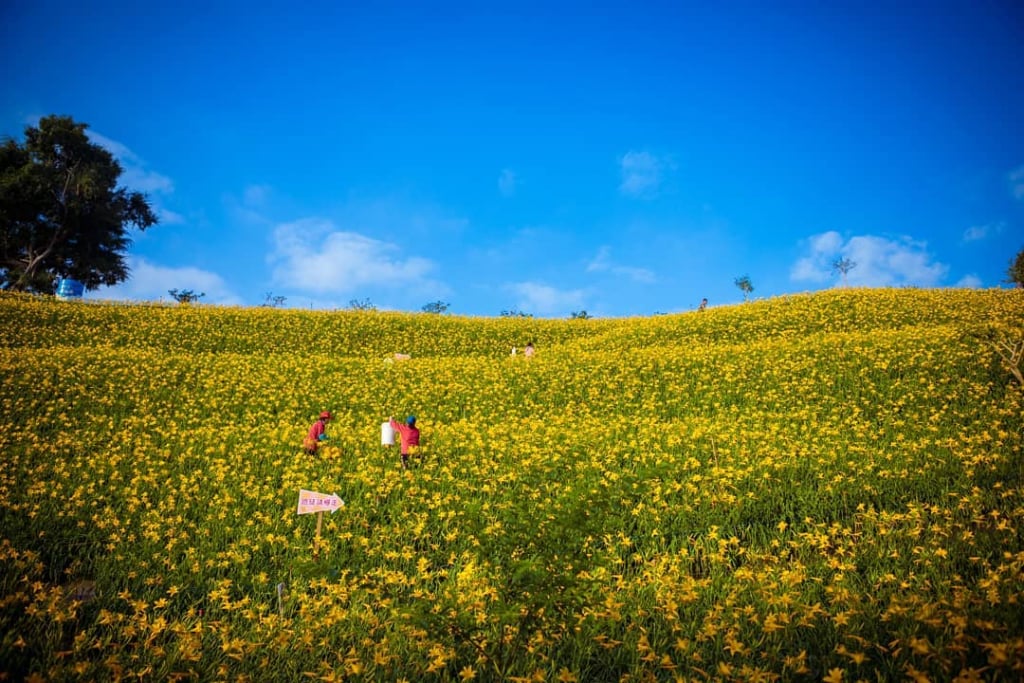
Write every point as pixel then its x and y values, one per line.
pixel 507 182
pixel 816 266
pixel 538 299
pixel 602 263
pixel 168 217
pixel 116 148
pixel 312 255
pixel 1016 178
pixel 135 176
pixel 826 242
pixel 138 179
pixel 643 174
pixel 151 282
pixel 971 281
pixel 879 261
pixel 980 232
pixel 882 263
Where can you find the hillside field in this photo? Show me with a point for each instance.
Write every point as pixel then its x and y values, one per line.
pixel 818 487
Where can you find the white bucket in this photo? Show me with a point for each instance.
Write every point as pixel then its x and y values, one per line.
pixel 387 434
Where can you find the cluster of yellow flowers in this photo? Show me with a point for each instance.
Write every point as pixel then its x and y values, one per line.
pixel 824 486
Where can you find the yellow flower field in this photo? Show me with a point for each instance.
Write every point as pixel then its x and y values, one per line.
pixel 820 487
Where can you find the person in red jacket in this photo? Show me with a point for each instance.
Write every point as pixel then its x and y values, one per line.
pixel 410 436
pixel 317 433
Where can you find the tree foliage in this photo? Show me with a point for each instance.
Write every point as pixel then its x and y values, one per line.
pixel 745 286
pixel 185 296
pixel 361 305
pixel 61 211
pixel 843 266
pixel 1015 273
pixel 274 300
pixel 436 307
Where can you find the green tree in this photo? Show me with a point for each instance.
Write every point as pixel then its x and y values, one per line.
pixel 1015 273
pixel 185 296
pixel 61 211
pixel 843 266
pixel 580 315
pixel 274 300
pixel 361 305
pixel 745 286
pixel 436 307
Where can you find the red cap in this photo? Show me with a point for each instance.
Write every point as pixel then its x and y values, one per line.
pixel 326 415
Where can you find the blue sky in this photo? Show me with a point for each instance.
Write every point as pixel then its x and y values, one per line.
pixel 621 158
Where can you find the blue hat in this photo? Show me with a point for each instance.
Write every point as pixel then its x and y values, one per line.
pixel 410 420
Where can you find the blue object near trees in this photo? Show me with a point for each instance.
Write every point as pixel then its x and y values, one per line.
pixel 69 289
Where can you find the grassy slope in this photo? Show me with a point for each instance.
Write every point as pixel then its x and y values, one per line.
pixel 673 484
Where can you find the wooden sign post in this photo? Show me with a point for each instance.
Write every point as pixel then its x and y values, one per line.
pixel 311 501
